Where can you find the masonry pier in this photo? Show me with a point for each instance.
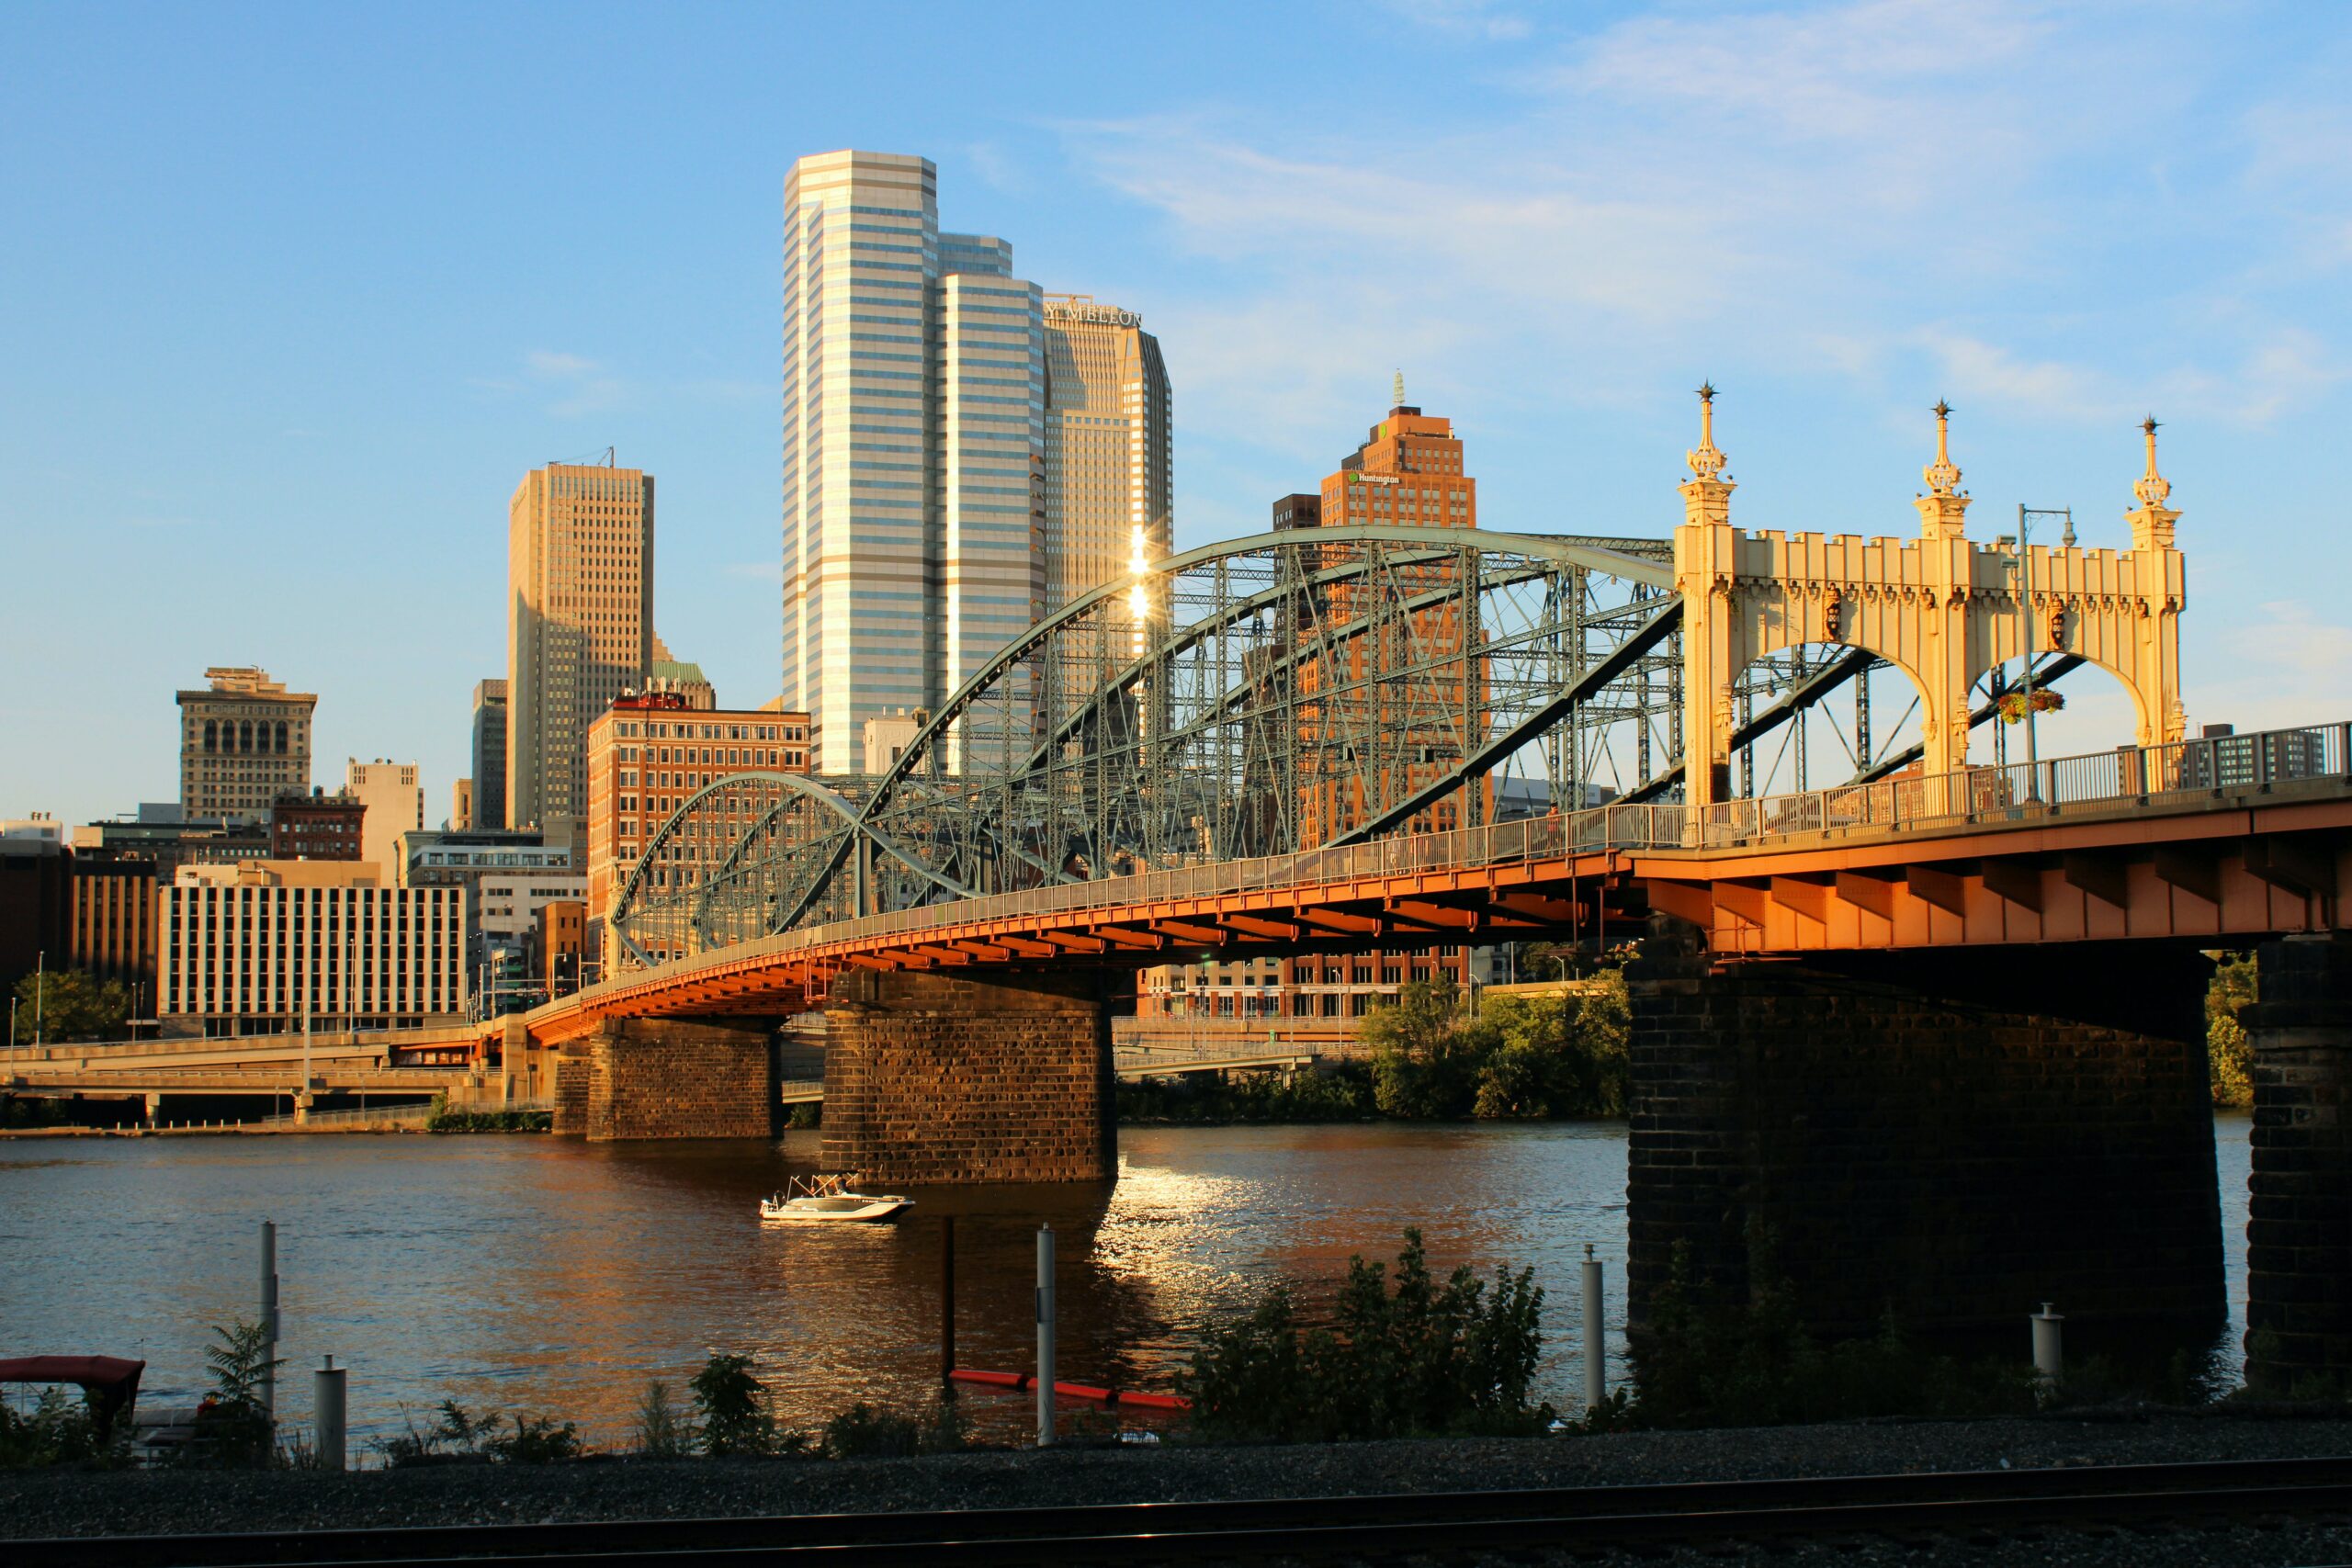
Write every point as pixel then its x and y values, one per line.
pixel 940 1077
pixel 1951 1138
pixel 2298 1229
pixel 676 1077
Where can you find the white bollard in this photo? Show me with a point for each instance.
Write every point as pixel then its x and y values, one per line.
pixel 1596 1348
pixel 327 1411
pixel 1045 1336
pixel 269 1318
pixel 2049 1359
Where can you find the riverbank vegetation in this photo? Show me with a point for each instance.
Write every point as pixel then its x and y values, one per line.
pixel 1430 1058
pixel 2229 1053
pixel 444 1118
pixel 1411 1358
pixel 60 1004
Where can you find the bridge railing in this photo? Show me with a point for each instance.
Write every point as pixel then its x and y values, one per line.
pixel 2211 767
pixel 2129 775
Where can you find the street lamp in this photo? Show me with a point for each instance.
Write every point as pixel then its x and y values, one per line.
pixel 2025 514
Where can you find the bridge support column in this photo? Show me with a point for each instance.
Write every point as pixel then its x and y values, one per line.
pixel 679 1078
pixel 1954 1137
pixel 2298 1229
pixel 935 1077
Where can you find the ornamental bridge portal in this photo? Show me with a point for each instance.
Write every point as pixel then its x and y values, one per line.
pixel 1879 1020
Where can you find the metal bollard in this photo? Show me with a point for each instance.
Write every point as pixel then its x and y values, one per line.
pixel 2049 1359
pixel 1595 1351
pixel 327 1411
pixel 269 1319
pixel 1045 1336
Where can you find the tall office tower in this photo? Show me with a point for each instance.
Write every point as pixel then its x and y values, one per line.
pixel 1110 479
pixel 489 755
pixel 913 447
pixel 394 799
pixel 579 629
pixel 243 741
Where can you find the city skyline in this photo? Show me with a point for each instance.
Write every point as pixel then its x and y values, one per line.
pixel 1933 215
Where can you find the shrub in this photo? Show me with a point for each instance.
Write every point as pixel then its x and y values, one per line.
pixel 663 1431
pixel 1422 1358
pixel 232 1429
pixel 460 1437
pixel 59 1431
pixel 535 1440
pixel 732 1407
pixel 443 1120
pixel 864 1432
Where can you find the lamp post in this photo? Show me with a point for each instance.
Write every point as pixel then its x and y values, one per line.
pixel 2025 514
pixel 41 991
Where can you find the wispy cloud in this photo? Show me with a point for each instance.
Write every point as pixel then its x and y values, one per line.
pixel 1850 190
pixel 579 385
pixel 1485 19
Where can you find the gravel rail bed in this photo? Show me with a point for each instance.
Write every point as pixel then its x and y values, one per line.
pixel 47 1504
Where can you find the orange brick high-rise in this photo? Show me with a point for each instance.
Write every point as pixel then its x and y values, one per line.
pixel 1408 472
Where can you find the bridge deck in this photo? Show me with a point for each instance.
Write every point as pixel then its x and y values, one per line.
pixel 2078 848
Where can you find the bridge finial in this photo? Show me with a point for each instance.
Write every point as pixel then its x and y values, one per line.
pixel 2152 521
pixel 1943 510
pixel 2154 489
pixel 1706 459
pixel 1943 474
pixel 1706 495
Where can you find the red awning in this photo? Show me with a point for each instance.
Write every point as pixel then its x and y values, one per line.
pixel 100 1372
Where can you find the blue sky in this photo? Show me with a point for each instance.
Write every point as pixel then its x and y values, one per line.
pixel 290 297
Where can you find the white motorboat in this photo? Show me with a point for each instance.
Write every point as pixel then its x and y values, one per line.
pixel 834 1198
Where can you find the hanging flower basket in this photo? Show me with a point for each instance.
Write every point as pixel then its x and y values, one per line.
pixel 2012 704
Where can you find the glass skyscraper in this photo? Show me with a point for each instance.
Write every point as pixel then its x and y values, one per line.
pixel 913 426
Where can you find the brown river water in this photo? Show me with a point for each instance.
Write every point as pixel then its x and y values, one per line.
pixel 557 1277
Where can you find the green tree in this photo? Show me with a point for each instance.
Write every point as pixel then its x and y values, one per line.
pixel 69 1005
pixel 2229 1053
pixel 1546 1056
pixel 1424 1061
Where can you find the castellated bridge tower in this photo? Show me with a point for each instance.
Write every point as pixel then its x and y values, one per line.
pixel 1940 608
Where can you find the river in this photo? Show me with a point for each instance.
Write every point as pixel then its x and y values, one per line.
pixel 559 1277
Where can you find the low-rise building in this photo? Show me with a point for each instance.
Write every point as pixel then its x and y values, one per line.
pixel 254 949
pixel 438 857
pixel 508 903
pixel 36 907
pixel 165 837
pixel 561 946
pixel 317 825
pixel 40 825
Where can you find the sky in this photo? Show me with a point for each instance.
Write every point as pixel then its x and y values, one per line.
pixel 291 298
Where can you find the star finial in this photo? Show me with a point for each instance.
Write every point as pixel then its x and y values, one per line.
pixel 1705 459
pixel 1943 474
pixel 2154 489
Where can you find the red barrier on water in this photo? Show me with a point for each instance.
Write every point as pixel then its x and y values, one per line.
pixel 1022 1381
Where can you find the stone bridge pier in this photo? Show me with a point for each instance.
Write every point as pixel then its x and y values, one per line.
pixel 932 1077
pixel 1954 1137
pixel 2299 1225
pixel 672 1077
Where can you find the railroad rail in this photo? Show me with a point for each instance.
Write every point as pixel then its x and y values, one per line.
pixel 1571 1519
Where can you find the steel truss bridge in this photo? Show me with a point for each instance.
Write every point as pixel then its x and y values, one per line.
pixel 1309 689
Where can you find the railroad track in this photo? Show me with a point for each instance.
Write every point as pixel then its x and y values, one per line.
pixel 1575 1520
